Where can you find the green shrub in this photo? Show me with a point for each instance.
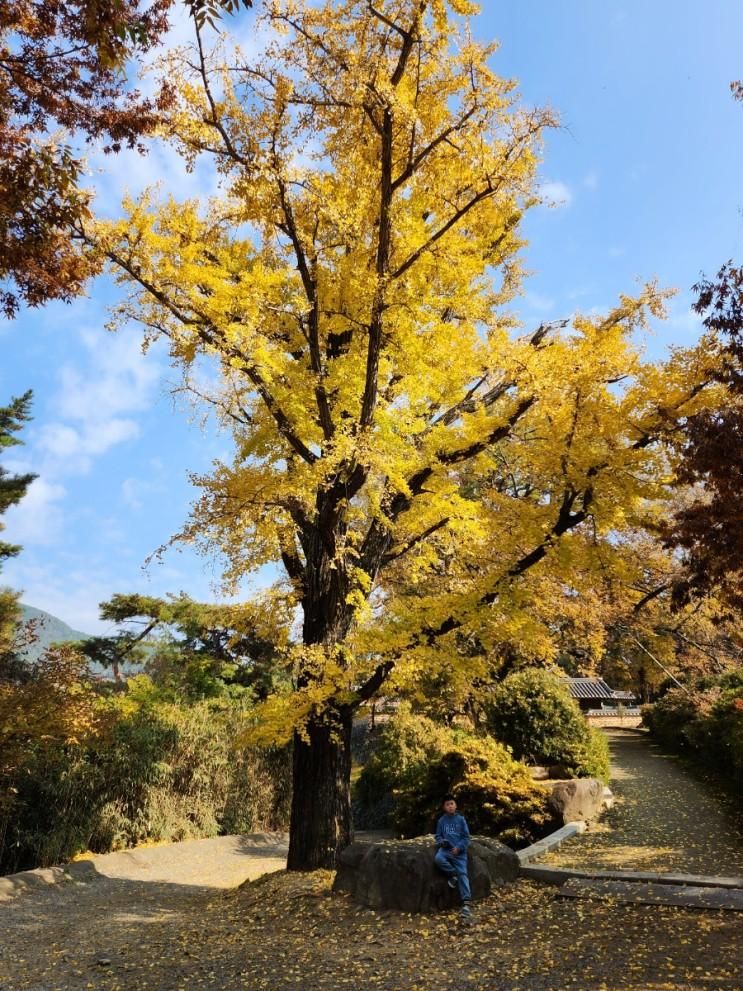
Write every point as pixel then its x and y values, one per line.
pixel 533 713
pixel 706 725
pixel 726 733
pixel 670 718
pixel 417 761
pixel 162 772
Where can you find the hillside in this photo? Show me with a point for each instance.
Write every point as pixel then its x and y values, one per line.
pixel 49 629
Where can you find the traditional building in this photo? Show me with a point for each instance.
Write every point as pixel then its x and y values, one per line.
pixel 594 693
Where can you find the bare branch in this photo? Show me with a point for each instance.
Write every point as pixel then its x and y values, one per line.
pixel 215 122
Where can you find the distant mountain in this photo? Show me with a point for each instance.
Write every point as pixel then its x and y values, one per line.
pixel 51 629
pixel 48 630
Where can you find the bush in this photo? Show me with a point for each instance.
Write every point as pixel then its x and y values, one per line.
pixel 725 747
pixel 160 772
pixel 533 713
pixel 706 725
pixel 670 718
pixel 418 761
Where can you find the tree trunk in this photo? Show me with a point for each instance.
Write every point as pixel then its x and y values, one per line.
pixel 321 798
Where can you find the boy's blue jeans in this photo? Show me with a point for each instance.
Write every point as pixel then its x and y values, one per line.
pixel 455 867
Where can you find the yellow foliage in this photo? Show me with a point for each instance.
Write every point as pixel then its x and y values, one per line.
pixel 407 453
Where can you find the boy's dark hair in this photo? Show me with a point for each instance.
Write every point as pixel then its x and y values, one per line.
pixel 448 798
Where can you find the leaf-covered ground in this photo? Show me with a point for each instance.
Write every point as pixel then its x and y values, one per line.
pixel 286 932
pixel 665 819
pixel 156 922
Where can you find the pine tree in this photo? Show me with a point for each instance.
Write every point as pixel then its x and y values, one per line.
pixel 12 489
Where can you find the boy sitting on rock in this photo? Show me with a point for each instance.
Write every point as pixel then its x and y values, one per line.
pixel 452 840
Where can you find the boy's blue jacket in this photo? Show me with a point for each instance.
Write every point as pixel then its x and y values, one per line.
pixel 452 830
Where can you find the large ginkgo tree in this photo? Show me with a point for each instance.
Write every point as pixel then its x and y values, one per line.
pixel 351 283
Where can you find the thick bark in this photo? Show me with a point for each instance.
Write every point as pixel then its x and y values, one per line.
pixel 321 798
pixel 321 773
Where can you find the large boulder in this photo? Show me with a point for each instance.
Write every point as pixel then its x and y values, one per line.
pixel 401 874
pixel 580 798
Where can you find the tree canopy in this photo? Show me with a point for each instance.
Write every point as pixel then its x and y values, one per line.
pixel 709 528
pixel 62 66
pixel 395 430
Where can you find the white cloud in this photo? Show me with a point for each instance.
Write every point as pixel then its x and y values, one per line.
pixel 94 403
pixel 683 326
pixel 136 491
pixel 539 303
pixel 556 194
pixel 73 451
pixel 131 172
pixel 36 519
pixel 72 597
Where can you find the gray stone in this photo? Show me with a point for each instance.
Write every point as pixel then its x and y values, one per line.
pixel 581 798
pixel 401 874
pixel 559 875
pixel 558 772
pixel 551 842
pixel 635 893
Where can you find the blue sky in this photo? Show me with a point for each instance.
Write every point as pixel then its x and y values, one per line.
pixel 644 175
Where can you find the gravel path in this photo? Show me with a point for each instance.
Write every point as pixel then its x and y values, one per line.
pixel 663 820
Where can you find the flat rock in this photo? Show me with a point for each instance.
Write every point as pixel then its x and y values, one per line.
pixel 400 874
pixel 559 875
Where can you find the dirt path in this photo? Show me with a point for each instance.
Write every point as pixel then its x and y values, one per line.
pixel 663 819
pixel 171 919
pixel 128 913
pixel 286 932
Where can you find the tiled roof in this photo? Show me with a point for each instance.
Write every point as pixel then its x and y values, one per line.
pixel 594 688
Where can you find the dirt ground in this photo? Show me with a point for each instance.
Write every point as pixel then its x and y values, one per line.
pixel 284 932
pixel 218 914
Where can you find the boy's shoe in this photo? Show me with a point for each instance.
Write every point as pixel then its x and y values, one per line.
pixel 452 881
pixel 465 911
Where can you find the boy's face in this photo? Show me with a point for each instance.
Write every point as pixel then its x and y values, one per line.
pixel 450 806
